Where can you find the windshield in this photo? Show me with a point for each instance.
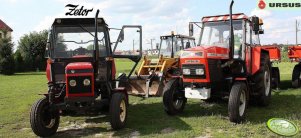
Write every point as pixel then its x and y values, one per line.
pixel 77 41
pixel 217 33
pixel 178 43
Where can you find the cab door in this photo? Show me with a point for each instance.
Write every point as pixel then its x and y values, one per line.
pixel 127 50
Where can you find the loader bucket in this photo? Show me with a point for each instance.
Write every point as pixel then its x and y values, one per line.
pixel 146 85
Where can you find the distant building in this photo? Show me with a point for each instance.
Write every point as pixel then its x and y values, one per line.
pixel 5 28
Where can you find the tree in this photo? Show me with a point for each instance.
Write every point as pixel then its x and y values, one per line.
pixel 19 62
pixel 32 48
pixel 6 56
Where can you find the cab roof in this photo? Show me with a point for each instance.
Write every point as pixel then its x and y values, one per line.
pixel 73 21
pixel 237 16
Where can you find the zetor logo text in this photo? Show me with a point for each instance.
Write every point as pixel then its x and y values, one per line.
pixel 279 4
pixel 74 11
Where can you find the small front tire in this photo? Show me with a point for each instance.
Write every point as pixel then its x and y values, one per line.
pixel 238 101
pixel 118 110
pixel 173 99
pixel 44 120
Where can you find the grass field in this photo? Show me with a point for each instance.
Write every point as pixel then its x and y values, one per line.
pixel 146 116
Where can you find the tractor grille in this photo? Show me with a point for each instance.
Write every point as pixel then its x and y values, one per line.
pixel 80 88
pixel 192 68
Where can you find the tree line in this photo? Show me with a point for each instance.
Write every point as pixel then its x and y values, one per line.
pixel 28 56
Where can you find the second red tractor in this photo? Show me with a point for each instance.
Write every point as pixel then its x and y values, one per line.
pixel 228 62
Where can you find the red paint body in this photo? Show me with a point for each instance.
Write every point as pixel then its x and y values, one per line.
pixel 208 52
pixel 294 53
pixel 80 66
pixel 214 52
pixel 274 52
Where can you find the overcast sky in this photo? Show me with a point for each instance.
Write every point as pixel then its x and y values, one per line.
pixel 158 17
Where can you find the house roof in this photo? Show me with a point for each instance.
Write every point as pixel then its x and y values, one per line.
pixel 5 26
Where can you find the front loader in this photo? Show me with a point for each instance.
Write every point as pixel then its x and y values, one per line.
pixel 153 73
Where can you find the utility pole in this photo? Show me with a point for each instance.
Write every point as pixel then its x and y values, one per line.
pixel 151 41
pixel 133 45
pixel 297 30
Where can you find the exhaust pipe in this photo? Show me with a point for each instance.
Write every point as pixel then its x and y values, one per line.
pixel 231 41
pixel 96 47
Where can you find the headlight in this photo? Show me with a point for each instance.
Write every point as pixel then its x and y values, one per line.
pixel 86 82
pixel 72 83
pixel 186 71
pixel 199 71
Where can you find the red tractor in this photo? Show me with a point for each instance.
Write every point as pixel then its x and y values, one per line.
pixel 228 62
pixel 294 54
pixel 81 74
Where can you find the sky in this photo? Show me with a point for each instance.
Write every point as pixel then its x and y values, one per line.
pixel 158 17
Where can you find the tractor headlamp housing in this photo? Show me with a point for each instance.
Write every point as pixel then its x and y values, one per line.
pixel 86 82
pixel 186 71
pixel 199 71
pixel 72 83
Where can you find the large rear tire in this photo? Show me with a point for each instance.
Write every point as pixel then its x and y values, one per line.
pixel 118 110
pixel 173 99
pixel 238 101
pixel 263 81
pixel 44 120
pixel 296 82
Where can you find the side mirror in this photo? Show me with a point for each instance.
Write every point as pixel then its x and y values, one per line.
pixel 190 29
pixel 255 21
pixel 261 31
pixel 187 45
pixel 121 38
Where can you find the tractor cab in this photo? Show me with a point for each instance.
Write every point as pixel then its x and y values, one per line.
pixel 215 35
pixel 172 45
pixel 81 73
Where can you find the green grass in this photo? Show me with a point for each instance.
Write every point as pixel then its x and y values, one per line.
pixel 146 116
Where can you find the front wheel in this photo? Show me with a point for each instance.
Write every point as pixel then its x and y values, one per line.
pixel 173 99
pixel 118 110
pixel 238 101
pixel 44 120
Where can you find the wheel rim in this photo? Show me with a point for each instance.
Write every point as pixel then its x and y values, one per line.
pixel 267 83
pixel 48 118
pixel 122 111
pixel 242 103
pixel 177 102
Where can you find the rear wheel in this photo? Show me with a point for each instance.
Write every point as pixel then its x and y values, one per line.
pixel 275 77
pixel 173 99
pixel 238 101
pixel 263 81
pixel 118 110
pixel 44 120
pixel 296 82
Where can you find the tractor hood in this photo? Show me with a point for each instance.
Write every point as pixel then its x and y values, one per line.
pixel 214 52
pixel 79 67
